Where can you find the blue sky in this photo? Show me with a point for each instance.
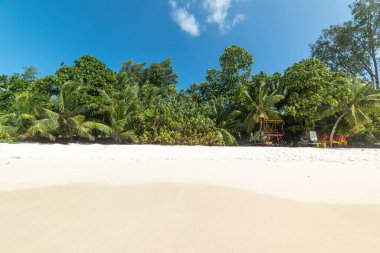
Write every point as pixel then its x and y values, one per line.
pixel 193 33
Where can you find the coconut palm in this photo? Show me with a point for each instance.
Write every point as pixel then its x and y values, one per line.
pixel 149 95
pixel 355 108
pixel 123 109
pixel 26 108
pixel 261 106
pixel 68 121
pixel 225 120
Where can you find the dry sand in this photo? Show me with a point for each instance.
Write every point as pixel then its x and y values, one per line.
pixel 80 198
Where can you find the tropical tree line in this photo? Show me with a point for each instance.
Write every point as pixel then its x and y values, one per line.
pixel 333 92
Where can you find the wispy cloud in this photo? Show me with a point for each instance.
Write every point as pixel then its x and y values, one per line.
pixel 218 13
pixel 238 19
pixel 211 12
pixel 184 18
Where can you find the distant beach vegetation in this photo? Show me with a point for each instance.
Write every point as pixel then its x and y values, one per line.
pixel 335 92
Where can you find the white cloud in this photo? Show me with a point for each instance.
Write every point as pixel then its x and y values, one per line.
pixel 184 18
pixel 238 19
pixel 211 11
pixel 218 12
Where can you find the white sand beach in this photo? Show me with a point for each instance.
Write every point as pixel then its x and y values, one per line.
pixel 96 198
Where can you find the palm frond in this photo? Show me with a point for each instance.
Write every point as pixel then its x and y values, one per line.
pixel 273 100
pixel 130 135
pixel 228 138
pixel 44 128
pixel 103 128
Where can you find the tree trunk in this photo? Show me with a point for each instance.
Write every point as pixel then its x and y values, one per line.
pixel 334 128
pixel 377 81
pixel 376 68
pixel 372 50
pixel 261 125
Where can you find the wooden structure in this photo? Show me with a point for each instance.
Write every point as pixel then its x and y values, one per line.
pixel 274 130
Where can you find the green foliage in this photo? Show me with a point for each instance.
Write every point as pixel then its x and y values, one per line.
pixel 273 84
pixel 46 86
pixel 141 104
pixel 227 121
pixel 70 118
pixel 6 137
pixel 158 74
pixel 123 109
pixel 355 108
pixel 161 74
pixel 91 73
pixel 93 76
pixel 310 86
pixel 9 86
pixel 23 113
pixel 372 130
pixel 34 116
pixel 179 121
pixel 236 68
pixel 133 72
pixel 353 47
pixel 30 73
pixel 236 64
pixel 260 105
pixel 369 134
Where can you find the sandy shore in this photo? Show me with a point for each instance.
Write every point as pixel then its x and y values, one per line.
pixel 95 198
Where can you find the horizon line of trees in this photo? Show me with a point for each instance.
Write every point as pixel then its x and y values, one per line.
pixel 141 104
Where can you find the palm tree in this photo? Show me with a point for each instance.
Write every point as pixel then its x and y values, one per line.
pixel 24 112
pixel 68 121
pixel 123 109
pixel 225 120
pixel 355 108
pixel 149 95
pixel 261 106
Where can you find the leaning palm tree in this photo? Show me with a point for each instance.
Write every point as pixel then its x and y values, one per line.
pixel 123 109
pixel 355 108
pixel 261 106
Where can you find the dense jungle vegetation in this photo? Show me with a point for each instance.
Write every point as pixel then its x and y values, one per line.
pixel 336 90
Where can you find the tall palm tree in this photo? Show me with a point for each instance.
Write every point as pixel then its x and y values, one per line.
pixel 261 106
pixel 123 109
pixel 355 108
